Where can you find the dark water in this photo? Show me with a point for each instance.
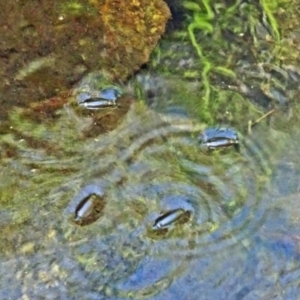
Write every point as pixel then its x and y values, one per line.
pixel 241 241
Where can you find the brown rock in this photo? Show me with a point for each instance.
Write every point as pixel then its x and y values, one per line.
pixel 46 46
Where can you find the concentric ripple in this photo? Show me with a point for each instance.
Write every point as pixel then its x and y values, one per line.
pixel 150 164
pixel 160 167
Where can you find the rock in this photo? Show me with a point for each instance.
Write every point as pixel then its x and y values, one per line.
pixel 46 47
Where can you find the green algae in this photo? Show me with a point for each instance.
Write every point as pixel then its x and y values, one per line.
pixel 217 39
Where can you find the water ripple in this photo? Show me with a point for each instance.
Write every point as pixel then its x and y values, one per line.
pixel 150 164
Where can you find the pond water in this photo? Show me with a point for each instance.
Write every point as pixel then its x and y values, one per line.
pixel 240 241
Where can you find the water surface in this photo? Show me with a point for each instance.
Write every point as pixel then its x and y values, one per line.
pixel 241 241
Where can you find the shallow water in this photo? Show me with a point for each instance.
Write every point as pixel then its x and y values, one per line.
pixel 242 238
pixel 241 241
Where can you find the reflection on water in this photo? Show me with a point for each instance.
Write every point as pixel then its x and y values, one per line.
pixel 232 246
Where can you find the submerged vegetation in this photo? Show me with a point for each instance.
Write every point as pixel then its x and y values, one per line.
pixel 132 173
pixel 234 51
